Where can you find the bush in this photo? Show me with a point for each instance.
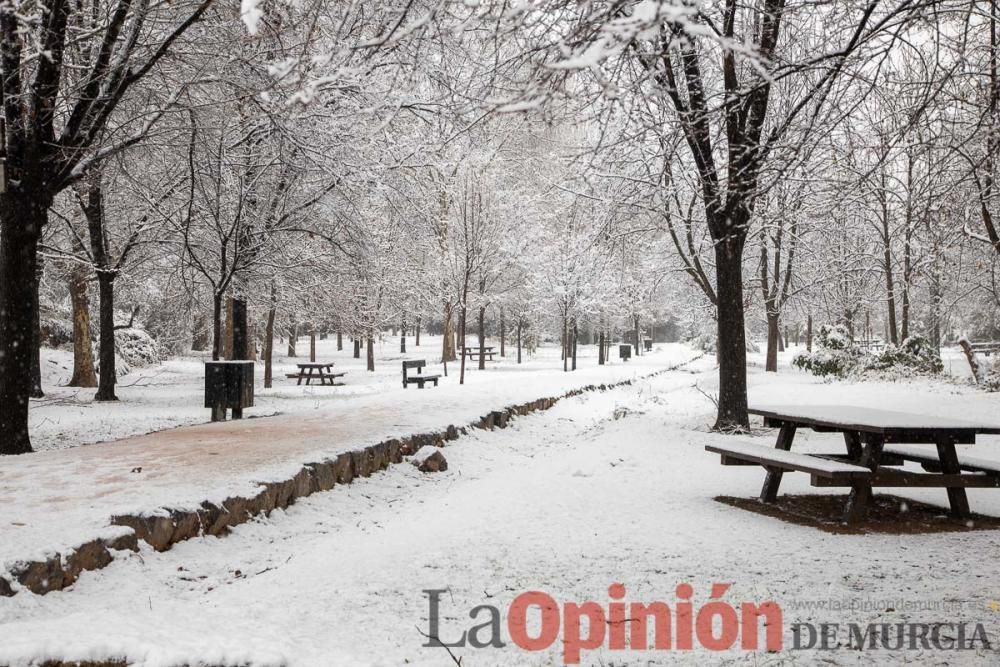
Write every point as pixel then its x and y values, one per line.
pixel 834 354
pixel 915 355
pixel 706 342
pixel 134 348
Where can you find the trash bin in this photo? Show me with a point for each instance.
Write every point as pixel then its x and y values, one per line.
pixel 228 385
pixel 624 352
pixel 648 344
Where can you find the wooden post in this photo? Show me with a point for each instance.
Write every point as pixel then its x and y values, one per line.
pixel 312 346
pixel 957 498
pixel 772 482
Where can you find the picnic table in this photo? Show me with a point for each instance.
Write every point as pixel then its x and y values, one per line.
pixel 986 349
pixel 867 462
pixel 320 371
pixel 474 352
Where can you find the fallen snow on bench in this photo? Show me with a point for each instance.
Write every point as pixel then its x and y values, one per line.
pixel 851 415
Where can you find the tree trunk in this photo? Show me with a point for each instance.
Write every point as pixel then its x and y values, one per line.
pixel 109 375
pixel 600 348
pixel 402 336
pixel 227 342
pixel 36 339
pixel 21 222
pixel 482 337
pixel 371 354
pixel 519 341
pixel 809 333
pixel 293 336
pixel 565 343
pixel 773 337
pixel 216 326
pixel 732 409
pixel 340 340
pixel 574 343
pixel 448 342
pixel 84 374
pixel 357 347
pixel 416 342
pixel 269 346
pixel 461 337
pixel 241 337
pixel 638 337
pixel 503 334
pixel 312 346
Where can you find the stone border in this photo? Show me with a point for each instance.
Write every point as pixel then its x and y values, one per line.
pixel 170 526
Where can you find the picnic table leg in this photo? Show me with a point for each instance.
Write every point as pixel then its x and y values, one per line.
pixel 853 441
pixel 957 498
pixel 859 501
pixel 773 480
pixel 302 374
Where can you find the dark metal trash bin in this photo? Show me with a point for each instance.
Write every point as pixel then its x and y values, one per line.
pixel 624 352
pixel 648 344
pixel 228 385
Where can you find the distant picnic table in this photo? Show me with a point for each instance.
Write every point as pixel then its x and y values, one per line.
pixel 987 348
pixel 474 352
pixel 867 461
pixel 319 371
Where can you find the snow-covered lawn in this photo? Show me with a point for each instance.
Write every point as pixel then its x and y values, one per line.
pixel 604 488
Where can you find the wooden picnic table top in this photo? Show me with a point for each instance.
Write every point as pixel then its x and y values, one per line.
pixel 315 364
pixel 476 347
pixel 870 420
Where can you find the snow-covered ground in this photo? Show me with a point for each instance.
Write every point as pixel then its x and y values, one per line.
pixel 604 488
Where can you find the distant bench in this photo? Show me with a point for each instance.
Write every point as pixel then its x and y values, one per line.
pixel 986 349
pixel 475 352
pixel 317 371
pixel 417 379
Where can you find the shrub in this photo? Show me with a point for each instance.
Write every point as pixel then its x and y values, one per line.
pixel 915 355
pixel 834 354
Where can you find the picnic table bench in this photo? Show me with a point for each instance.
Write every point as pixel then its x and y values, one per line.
pixel 867 462
pixel 419 379
pixel 986 349
pixel 319 371
pixel 474 352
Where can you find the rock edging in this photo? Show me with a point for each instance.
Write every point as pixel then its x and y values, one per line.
pixel 163 529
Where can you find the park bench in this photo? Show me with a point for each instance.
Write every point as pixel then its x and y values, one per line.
pixel 867 462
pixel 476 352
pixel 869 346
pixel 419 379
pixel 318 371
pixel 985 349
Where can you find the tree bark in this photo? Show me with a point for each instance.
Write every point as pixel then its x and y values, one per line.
pixel 809 333
pixel 416 342
pixel 109 374
pixel 340 340
pixel 312 346
pixel 402 336
pixel 600 348
pixel 482 337
pixel 84 374
pixel 241 339
pixel 519 341
pixel 732 409
pixel 503 334
pixel 293 336
pixel 448 342
pixel 21 222
pixel 371 354
pixel 461 337
pixel 36 338
pixel 227 342
pixel 574 343
pixel 269 345
pixel 773 336
pixel 638 336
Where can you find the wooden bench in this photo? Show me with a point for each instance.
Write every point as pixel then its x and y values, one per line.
pixel 475 352
pixel 986 349
pixel 741 453
pixel 317 371
pixel 418 379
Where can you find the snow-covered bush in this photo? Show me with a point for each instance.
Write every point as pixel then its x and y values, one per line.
pixel 134 348
pixel 915 356
pixel 706 342
pixel 834 355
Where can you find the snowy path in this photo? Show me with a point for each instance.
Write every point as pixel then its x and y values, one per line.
pixel 60 499
pixel 567 501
